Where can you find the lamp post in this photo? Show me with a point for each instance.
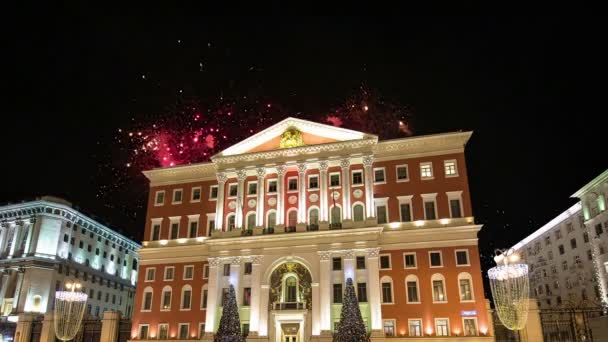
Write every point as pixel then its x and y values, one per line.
pixel 69 309
pixel 511 289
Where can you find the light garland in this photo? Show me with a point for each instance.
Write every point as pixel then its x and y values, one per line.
pixel 511 288
pixel 69 309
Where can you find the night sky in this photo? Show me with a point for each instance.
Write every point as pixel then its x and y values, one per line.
pixel 532 89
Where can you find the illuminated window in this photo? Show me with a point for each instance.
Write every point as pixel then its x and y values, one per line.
pixel 415 327
pixel 163 331
pixel 183 330
pixel 442 327
pixel 470 326
pixel 166 299
pixel 389 327
pixel 450 168
pixel 438 283
pixel 426 171
pixel 465 287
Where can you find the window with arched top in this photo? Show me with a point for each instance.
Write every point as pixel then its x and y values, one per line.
pixel 186 297
pixel 336 214
pixel 231 222
pixel 438 286
pixel 412 289
pixel 165 300
pixel 465 287
pixel 292 218
pixel 386 285
pixel 146 303
pixel 251 220
pixel 291 289
pixel 358 211
pixel 313 216
pixel 271 220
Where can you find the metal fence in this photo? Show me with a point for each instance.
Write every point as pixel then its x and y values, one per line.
pixel 568 325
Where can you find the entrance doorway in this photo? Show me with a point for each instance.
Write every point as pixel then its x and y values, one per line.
pixel 290 332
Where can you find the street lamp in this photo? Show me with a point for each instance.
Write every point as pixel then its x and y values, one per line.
pixel 69 309
pixel 510 289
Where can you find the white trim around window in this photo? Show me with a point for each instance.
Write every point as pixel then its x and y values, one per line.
pixel 407 173
pixel 203 289
pixel 210 217
pixel 415 261
pixel 406 200
pixel 422 171
pixel 429 198
pixel 206 271
pixel 158 330
pixel 153 269
pixel 381 202
pixel 409 331
pixel 150 290
pixel 466 276
pixel 448 325
pixel 383 280
pixel 440 257
pixel 174 220
pixel 181 192
pixel 339 174
pixel 249 183
pixel 191 273
pixel 476 325
pixel 159 222
pixel 211 192
pixel 315 175
pixel 456 258
pixel 455 195
pixel 297 185
pixel 179 330
pixel 193 219
pixel 446 166
pixel 181 299
pixel 390 262
pixel 167 288
pixel 272 180
pixel 352 178
pixel 156 194
pixel 165 273
pixel 230 185
pixel 201 329
pixel 139 331
pixel 412 278
pixel 200 194
pixel 384 175
pixel 439 277
pixel 395 334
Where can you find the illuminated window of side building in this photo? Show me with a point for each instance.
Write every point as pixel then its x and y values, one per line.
pixel 143 331
pixel 183 330
pixel 442 327
pixel 163 331
pixel 388 327
pixel 438 284
pixel 415 327
pixel 426 170
pixel 450 168
pixel 465 287
pixel 470 326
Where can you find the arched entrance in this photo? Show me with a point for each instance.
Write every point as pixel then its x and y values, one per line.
pixel 290 300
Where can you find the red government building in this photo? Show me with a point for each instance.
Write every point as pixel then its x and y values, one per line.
pixel 289 214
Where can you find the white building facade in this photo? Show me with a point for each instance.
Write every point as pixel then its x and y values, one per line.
pixel 46 243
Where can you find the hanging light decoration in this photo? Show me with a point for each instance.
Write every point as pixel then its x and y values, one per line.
pixel 69 309
pixel 511 289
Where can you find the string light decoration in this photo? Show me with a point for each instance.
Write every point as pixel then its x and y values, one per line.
pixel 69 309
pixel 511 289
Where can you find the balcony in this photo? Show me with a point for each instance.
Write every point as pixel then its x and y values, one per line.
pixel 289 306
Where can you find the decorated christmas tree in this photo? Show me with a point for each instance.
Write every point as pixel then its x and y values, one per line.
pixel 351 327
pixel 230 324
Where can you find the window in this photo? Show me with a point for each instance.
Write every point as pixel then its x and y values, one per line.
pixel 561 249
pixel 147 302
pixel 150 274
pixel 245 330
pixel 292 184
pixel 357 177
pixel 589 255
pixel 438 288
pixel 334 179
pixel 272 186
pixel 598 229
pixel 585 237
pixel 66 238
pixel 455 209
pixel 271 221
pixel 429 210
pixel 193 229
pixel 450 168
pixel 313 182
pixel 177 196
pixel 564 265
pixel 186 297
pixel 188 272
pixel 160 198
pixel 183 331
pixel 163 331
pixel 415 327
pixel 166 299
pixel 462 258
pixel 362 292
pixel 251 220
pixel 204 299
pixel 226 270
pixel 410 260
pixel 174 230
pixel 569 227
pixel 573 243
pixel 232 190
pixel 358 213
pixel 435 259
pixel 547 240
pixel 336 214
pixel 205 271
pixel 336 264
pixel 381 214
pixel 426 171
pixel 143 328
pixel 337 293
pixel 231 222
pixel 470 326
pixel 252 188
pixel 80 244
pixel 405 212
pixel 558 234
pixel 441 327
pixel 360 262
pixel 169 270
pixel 402 173
pixel 196 194
pixel 213 192
pixel 411 284
pixel 464 283
pixel 389 327
pixel 385 262
pixel 387 292
pixel 379 175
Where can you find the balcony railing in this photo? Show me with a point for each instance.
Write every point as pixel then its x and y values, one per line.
pixel 289 306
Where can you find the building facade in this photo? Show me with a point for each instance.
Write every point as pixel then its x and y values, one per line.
pixel 567 257
pixel 46 243
pixel 289 214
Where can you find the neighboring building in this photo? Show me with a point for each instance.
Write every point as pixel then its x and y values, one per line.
pixel 564 255
pixel 288 214
pixel 46 243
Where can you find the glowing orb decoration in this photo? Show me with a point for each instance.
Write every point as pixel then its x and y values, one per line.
pixel 510 289
pixel 69 309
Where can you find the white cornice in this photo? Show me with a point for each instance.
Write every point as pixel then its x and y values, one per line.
pixel 181 174
pixel 595 182
pixel 422 144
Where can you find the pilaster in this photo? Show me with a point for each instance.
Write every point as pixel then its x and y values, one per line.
pixel 368 162
pixel 254 317
pixel 373 278
pixel 302 193
pixel 212 295
pixel 240 195
pixel 219 205
pixel 323 166
pixel 280 195
pixel 325 288
pixel 345 166
pixel 259 209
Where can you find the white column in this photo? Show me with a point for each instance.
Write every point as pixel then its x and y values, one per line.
pixel 345 165
pixel 316 319
pixel 325 287
pixel 17 290
pixel 349 266
pixel 28 243
pixel 263 326
pixel 370 209
pixel 16 233
pixel 373 279
pixel 323 208
pixel 5 284
pixel 302 190
pixel 235 274
pixel 219 204
pixel 280 195
pixel 259 215
pixel 254 316
pixel 212 294
pixel 240 198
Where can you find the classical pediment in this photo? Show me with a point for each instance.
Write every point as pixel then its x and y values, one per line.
pixel 293 133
